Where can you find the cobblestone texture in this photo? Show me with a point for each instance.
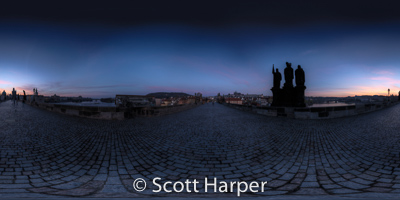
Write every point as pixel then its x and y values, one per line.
pixel 44 154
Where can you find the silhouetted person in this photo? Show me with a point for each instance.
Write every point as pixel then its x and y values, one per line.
pixel 300 77
pixel 288 75
pixel 14 95
pixel 277 77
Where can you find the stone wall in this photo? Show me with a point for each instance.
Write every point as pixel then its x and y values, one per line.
pixel 269 111
pixel 111 113
pixel 83 111
pixel 314 112
pixel 159 110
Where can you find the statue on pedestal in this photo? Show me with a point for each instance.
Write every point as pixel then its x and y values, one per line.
pixel 300 77
pixel 277 77
pixel 288 75
pixel 288 96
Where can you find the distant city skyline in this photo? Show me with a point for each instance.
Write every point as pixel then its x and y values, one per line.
pixel 342 57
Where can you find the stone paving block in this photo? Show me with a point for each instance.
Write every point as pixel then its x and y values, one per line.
pixel 233 176
pixel 289 187
pixel 92 172
pixel 8 181
pixel 113 181
pixel 330 186
pixel 114 189
pixel 343 191
pixel 12 191
pixel 362 181
pixel 100 177
pixel 25 195
pixel 395 191
pixel 113 173
pixel 13 186
pixel 353 185
pixel 74 192
pixel 378 189
pixel 6 177
pixel 306 184
pixel 383 171
pixel 69 185
pixel 287 177
pixel 282 171
pixel 271 193
pixel 368 177
pixel 386 185
pixel 297 180
pixel 276 183
pixel 338 179
pixel 384 180
pixel 310 191
pixel 310 178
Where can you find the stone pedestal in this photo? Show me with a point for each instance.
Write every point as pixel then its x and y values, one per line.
pixel 288 96
pixel 276 97
pixel 300 96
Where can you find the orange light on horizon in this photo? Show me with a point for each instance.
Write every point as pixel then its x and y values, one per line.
pixel 359 91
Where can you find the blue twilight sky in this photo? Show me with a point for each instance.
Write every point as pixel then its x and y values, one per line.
pixel 71 59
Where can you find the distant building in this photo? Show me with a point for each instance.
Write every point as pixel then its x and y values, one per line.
pixel 263 101
pixel 253 95
pixel 191 100
pixel 237 94
pixel 39 99
pixel 231 100
pixel 52 99
pixel 370 98
pixel 182 101
pixel 158 101
pixel 199 97
pixel 134 101
pixel 107 100
pixel 166 102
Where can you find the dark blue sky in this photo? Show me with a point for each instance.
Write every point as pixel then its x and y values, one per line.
pixel 342 55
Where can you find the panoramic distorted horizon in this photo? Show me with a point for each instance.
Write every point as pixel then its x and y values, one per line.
pixel 100 50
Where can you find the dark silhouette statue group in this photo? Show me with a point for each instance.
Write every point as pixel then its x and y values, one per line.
pixel 288 95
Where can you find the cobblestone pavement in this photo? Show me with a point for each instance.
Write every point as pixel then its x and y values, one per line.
pixel 46 154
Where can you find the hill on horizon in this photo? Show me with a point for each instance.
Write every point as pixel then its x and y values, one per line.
pixel 168 94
